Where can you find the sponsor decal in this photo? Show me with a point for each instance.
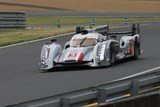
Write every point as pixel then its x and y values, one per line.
pixel 80 59
pixel 72 54
pixel 132 51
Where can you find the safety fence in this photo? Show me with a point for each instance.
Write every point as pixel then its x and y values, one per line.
pixel 12 19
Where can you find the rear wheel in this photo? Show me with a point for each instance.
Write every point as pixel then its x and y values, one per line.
pixel 136 50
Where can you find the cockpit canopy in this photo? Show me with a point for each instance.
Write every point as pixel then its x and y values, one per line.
pixel 90 39
pixel 83 42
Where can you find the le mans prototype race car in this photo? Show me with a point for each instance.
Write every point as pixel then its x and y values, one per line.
pixel 93 47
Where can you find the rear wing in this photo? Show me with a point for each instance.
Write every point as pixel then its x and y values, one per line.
pixel 104 30
pixel 135 30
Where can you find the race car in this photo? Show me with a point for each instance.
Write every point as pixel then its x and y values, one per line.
pixel 94 47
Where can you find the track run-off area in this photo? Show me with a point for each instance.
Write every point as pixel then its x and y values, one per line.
pixel 21 81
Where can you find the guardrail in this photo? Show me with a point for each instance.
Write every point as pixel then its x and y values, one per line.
pixel 108 92
pixel 150 99
pixel 12 19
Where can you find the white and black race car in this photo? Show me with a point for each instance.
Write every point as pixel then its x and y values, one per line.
pixel 94 47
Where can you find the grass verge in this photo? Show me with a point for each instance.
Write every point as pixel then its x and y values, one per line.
pixel 18 36
pixel 22 35
pixel 51 20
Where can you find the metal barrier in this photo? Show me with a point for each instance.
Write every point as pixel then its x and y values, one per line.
pixel 150 99
pixel 12 19
pixel 108 92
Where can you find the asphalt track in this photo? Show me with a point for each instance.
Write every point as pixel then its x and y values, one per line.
pixel 20 80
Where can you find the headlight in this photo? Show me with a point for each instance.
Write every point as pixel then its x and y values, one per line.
pixel 101 51
pixel 45 53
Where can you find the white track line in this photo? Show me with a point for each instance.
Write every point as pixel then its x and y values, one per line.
pixel 137 74
pixel 23 43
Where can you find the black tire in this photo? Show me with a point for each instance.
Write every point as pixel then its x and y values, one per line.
pixel 136 50
pixel 112 56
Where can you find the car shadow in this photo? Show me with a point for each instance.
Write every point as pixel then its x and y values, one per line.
pixel 71 68
pixel 77 68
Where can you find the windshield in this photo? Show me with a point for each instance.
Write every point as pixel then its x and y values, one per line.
pixel 83 42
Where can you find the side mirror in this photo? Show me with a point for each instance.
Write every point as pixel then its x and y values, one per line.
pixel 53 40
pixel 79 29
